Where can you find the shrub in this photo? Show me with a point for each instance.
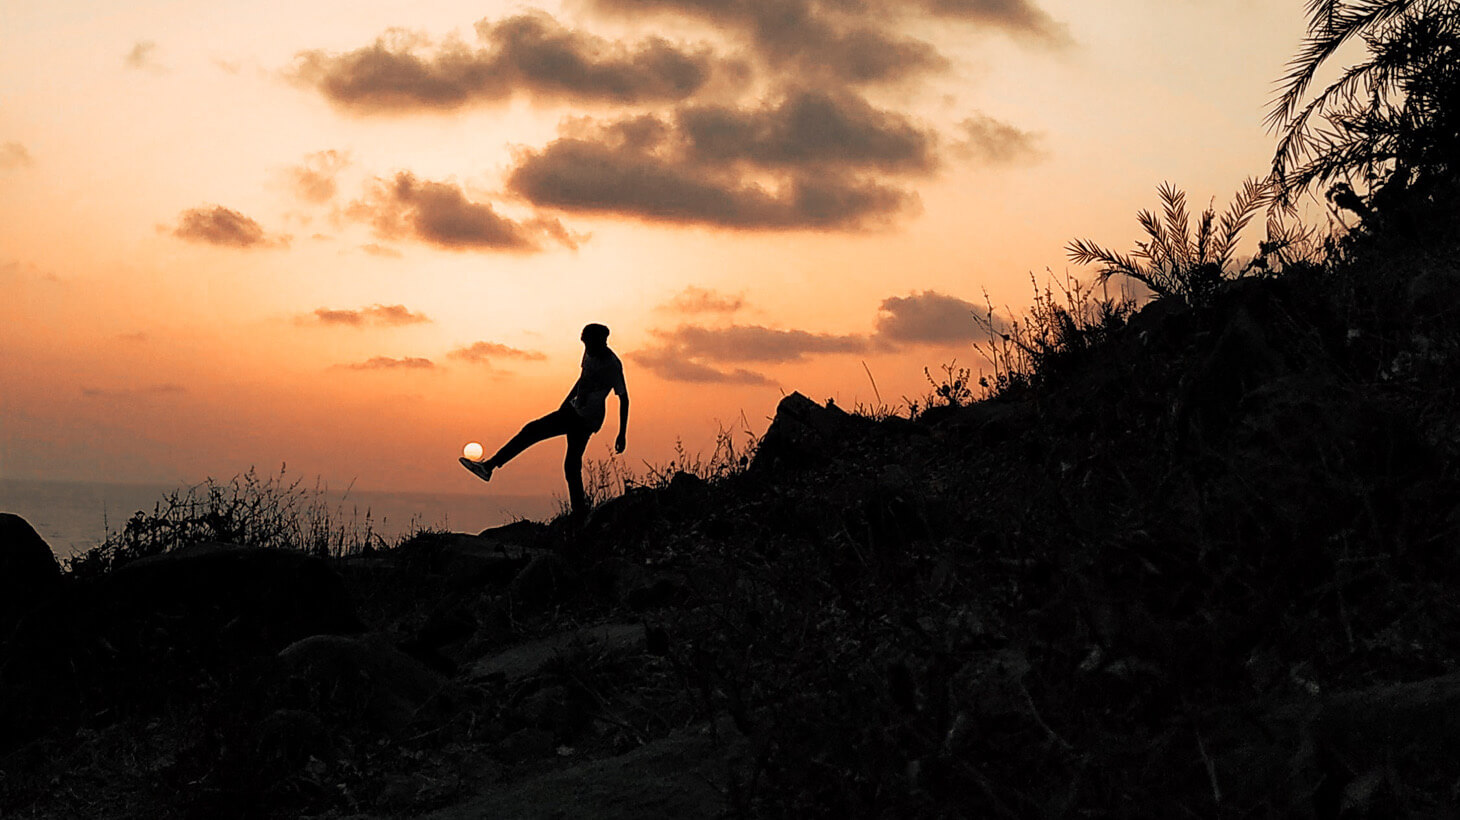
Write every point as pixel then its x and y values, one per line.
pixel 1065 321
pixel 274 512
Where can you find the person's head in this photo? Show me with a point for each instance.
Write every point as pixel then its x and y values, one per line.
pixel 595 336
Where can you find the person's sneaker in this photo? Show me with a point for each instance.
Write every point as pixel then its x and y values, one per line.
pixel 480 469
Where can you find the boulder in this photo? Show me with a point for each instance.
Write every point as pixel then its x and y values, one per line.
pixel 804 434
pixel 545 579
pixel 357 682
pixel 1434 294
pixel 28 569
pixel 241 599
pixel 527 659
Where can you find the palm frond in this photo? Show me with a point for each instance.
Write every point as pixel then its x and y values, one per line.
pixel 1253 195
pixel 1178 240
pixel 1331 24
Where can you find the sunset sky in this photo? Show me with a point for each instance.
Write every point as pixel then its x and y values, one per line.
pixel 352 236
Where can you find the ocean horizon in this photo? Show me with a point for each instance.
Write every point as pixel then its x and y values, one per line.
pixel 74 516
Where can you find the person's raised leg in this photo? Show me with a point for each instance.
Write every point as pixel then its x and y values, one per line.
pixel 555 423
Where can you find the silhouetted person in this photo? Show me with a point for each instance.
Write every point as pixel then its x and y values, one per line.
pixel 580 416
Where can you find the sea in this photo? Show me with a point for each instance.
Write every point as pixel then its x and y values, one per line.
pixel 74 516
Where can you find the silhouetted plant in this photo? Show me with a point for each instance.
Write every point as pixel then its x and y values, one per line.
pixel 611 476
pixel 954 388
pixel 1065 320
pixel 1389 118
pixel 274 512
pixel 1175 260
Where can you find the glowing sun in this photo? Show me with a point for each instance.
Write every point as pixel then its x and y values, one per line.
pixel 472 451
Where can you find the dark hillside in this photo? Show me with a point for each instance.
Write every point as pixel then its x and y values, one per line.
pixel 1203 566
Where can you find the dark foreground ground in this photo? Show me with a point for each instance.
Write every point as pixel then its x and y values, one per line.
pixel 1203 567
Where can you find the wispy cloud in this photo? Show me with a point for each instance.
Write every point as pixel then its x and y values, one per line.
pixel 167 389
pixel 217 225
pixel 702 300
pixel 382 251
pixel 988 141
pixel 143 57
pixel 377 315
pixel 313 180
pixel 14 155
pixel 389 363
pixel 485 352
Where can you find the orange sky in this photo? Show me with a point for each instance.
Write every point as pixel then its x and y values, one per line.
pixel 352 236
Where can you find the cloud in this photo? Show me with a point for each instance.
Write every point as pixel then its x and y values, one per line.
pixel 754 343
pixel 531 53
pixel 1019 17
pixel 439 213
pixel 823 155
pixel 989 141
pixel 668 365
pixel 485 352
pixel 168 389
pixel 927 317
pixel 314 179
pixel 808 129
pixel 142 57
pixel 217 225
pixel 840 42
pixel 14 155
pixel 381 251
pixel 388 363
pixel 591 177
pixel 701 300
pixel 379 315
pixel 691 353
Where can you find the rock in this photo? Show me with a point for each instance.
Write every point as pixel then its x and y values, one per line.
pixel 676 777
pixel 1434 294
pixel 287 738
pixel 128 641
pixel 983 423
pixel 524 532
pixel 545 579
pixel 466 560
pixel 28 569
pixel 356 681
pixel 1300 749
pixel 634 514
pixel 527 659
pixel 644 592
pixel 563 710
pixel 805 434
pixel 526 744
pixel 243 600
